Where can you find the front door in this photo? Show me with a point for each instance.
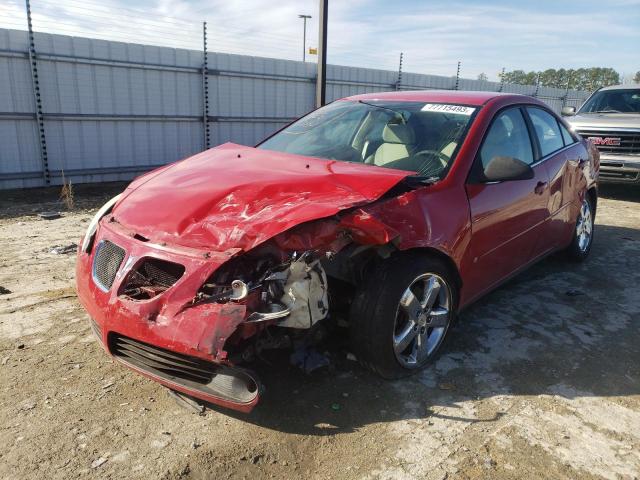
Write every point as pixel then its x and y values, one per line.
pixel 508 218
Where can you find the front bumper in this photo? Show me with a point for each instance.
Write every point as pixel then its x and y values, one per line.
pixel 619 168
pixel 166 338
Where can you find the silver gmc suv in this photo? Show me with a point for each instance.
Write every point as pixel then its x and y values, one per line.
pixel 610 118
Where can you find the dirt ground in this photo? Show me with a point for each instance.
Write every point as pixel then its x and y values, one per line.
pixel 541 379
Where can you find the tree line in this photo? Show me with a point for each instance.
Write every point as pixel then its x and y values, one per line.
pixel 576 79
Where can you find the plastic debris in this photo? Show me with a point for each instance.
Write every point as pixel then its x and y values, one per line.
pixel 50 215
pixel 186 402
pixel 335 407
pixel 98 461
pixel 63 249
pixel 308 359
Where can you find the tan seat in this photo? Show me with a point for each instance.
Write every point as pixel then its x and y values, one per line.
pixel 449 149
pixel 399 139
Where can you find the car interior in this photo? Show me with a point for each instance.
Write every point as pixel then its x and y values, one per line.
pixel 424 143
pixel 402 136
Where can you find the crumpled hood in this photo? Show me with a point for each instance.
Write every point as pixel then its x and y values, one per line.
pixel 233 196
pixel 604 120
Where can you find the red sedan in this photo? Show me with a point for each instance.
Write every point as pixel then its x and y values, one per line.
pixel 382 214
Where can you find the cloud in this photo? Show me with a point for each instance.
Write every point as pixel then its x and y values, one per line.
pixel 432 35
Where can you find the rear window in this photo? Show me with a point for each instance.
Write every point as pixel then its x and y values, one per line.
pixel 566 136
pixel 547 130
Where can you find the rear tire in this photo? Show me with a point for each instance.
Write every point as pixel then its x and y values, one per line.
pixel 583 232
pixel 401 315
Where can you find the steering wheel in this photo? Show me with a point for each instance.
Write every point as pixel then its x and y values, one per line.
pixel 444 160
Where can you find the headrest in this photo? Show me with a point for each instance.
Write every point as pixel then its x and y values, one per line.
pixel 499 132
pixel 398 133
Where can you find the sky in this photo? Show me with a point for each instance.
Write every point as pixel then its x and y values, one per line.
pixel 432 35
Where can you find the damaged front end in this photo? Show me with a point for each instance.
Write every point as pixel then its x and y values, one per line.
pixel 291 290
pixel 193 321
pixel 191 317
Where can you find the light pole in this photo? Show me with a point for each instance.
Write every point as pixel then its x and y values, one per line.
pixel 321 80
pixel 304 35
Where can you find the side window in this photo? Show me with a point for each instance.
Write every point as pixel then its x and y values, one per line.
pixel 547 130
pixel 508 137
pixel 566 136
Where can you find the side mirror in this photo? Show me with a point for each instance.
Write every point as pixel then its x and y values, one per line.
pixel 500 169
pixel 568 111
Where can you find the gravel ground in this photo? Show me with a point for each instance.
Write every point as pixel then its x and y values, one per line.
pixel 540 379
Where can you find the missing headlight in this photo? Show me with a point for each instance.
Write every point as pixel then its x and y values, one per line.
pixel 294 292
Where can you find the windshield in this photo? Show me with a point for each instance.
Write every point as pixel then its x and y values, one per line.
pixel 613 101
pixel 415 136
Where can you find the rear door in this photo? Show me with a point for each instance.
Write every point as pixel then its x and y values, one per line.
pixel 558 152
pixel 507 218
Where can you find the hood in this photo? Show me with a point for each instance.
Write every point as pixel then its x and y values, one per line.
pixel 233 196
pixel 598 121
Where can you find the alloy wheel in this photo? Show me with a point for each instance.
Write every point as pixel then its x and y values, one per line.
pixel 584 226
pixel 422 319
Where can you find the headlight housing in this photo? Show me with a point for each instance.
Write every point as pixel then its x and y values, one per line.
pixel 93 226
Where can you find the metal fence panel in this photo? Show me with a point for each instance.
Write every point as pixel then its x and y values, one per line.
pixel 113 110
pixel 244 86
pixel 19 147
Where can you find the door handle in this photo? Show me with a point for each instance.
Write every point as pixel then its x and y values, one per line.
pixel 539 190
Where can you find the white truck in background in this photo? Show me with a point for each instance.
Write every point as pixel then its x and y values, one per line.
pixel 610 118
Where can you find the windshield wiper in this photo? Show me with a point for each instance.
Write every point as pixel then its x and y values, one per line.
pixel 395 112
pixel 607 111
pixel 415 181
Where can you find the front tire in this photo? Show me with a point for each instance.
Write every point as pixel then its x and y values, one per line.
pixel 583 232
pixel 401 315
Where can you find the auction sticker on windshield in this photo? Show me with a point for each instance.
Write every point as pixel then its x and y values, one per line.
pixel 441 107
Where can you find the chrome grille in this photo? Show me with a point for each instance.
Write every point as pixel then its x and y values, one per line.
pixel 629 141
pixel 106 263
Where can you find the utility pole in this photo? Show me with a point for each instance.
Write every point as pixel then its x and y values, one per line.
pixel 321 81
pixel 304 36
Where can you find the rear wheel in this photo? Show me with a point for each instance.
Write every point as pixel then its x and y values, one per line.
pixel 583 233
pixel 400 317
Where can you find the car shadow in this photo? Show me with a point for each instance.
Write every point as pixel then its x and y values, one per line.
pixel 630 193
pixel 559 328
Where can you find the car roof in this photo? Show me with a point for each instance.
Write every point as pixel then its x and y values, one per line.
pixel 629 86
pixel 437 96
